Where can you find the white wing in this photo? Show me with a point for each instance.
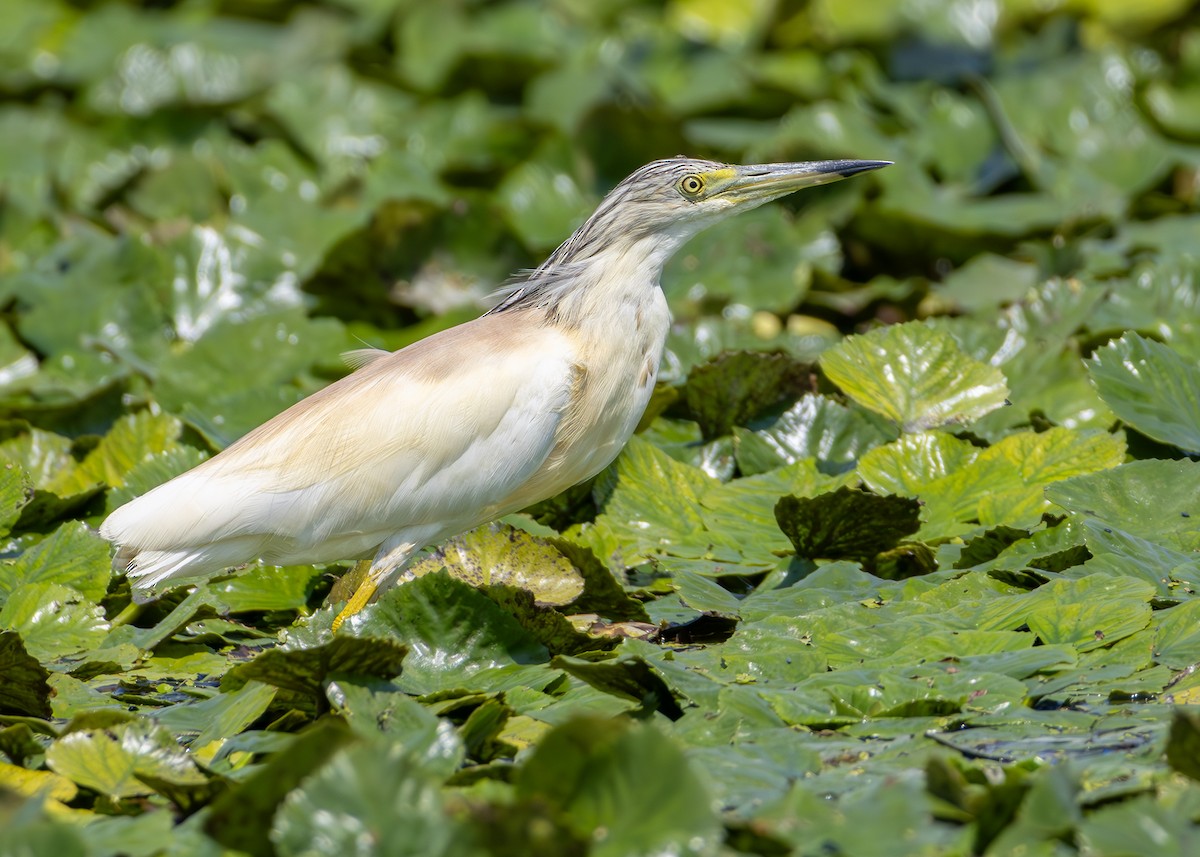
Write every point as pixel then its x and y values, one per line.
pixel 425 440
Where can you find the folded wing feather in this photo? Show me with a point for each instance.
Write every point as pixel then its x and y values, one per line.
pixel 427 438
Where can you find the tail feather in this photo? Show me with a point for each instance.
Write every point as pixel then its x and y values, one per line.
pixel 149 570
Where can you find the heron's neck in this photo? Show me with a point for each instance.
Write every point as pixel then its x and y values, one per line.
pixel 622 275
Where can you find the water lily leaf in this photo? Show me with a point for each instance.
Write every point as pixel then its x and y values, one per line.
pixel 986 281
pixel 219 717
pixel 373 707
pixel 549 627
pixel 1151 387
pixel 603 775
pixel 1155 500
pixel 602 593
pixel 842 697
pixel 815 427
pixel 305 671
pixel 53 620
pixel 499 555
pixel 1088 626
pixel 375 795
pixel 736 386
pixel 73 555
pixel 1183 743
pixel 740 514
pixel 628 677
pixel 1121 828
pixel 235 819
pixel 239 374
pixel 846 524
pixel 25 690
pixel 1005 483
pixel 95 293
pixel 113 761
pixel 452 632
pixel 806 815
pixel 33 783
pixel 914 375
pixel 1177 635
pixel 1087 613
pixel 263 588
pixel 16 491
pixel 652 503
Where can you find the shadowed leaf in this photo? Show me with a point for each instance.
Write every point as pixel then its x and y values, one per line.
pixel 305 671
pixel 24 689
pixel 846 523
pixel 736 386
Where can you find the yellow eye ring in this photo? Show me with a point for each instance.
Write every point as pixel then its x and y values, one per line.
pixel 691 185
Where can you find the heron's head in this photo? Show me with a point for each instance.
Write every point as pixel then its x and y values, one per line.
pixel 669 201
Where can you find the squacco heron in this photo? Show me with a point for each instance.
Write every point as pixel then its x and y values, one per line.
pixel 466 425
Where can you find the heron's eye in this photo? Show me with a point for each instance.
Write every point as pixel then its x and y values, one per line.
pixel 691 185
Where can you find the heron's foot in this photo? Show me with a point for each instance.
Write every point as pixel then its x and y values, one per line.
pixel 362 596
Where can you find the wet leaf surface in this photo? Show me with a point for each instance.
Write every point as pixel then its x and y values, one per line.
pixel 902 560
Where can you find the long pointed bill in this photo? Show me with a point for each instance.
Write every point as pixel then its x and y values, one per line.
pixel 763 182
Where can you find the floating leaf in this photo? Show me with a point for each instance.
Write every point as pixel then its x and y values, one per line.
pixel 451 630
pixel 54 620
pixel 236 816
pixel 1155 500
pixel 917 376
pixel 15 492
pixel 815 427
pixel 499 555
pixel 371 795
pixel 114 761
pixel 959 483
pixel 846 524
pixel 24 689
pixel 1151 387
pixel 305 671
pixel 736 386
pixel 73 555
pixel 623 788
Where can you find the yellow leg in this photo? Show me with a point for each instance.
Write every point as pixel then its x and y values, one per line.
pixel 370 574
pixel 364 593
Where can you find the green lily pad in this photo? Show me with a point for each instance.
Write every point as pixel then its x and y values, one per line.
pixel 15 492
pixel 115 760
pixel 235 817
pixel 452 632
pixel 374 795
pixel 73 555
pixel 960 484
pixel 1152 388
pixel 914 375
pixel 54 620
pixel 1155 500
pixel 846 524
pixel 25 690
pixel 737 386
pixel 815 427
pixel 622 788
pixel 305 671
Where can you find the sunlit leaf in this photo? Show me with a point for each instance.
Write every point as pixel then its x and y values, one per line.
pixel 916 376
pixel 113 761
pixel 1152 388
pixel 498 555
